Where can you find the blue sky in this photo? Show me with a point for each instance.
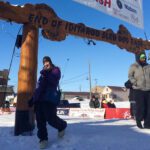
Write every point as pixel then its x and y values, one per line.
pixel 109 64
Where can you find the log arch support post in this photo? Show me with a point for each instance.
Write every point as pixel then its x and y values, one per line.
pixel 27 76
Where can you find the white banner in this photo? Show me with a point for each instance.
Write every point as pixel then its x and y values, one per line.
pixel 87 113
pixel 63 111
pixel 128 10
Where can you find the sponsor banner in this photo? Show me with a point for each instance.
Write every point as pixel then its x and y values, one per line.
pixel 127 10
pixel 87 113
pixel 63 111
pixel 12 109
pixel 119 113
pixel 4 111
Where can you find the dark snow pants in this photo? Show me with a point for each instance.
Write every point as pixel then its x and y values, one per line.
pixel 142 99
pixel 46 112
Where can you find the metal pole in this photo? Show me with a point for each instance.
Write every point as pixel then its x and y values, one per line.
pixel 96 85
pixel 90 80
pixel 80 88
pixel 145 36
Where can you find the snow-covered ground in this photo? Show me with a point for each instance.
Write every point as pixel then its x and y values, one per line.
pixel 81 134
pixel 125 104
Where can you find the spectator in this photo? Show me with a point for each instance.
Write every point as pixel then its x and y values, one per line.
pixel 104 103
pixel 111 104
pixel 94 102
pixel 139 76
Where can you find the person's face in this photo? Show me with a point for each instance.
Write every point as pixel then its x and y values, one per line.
pixel 47 65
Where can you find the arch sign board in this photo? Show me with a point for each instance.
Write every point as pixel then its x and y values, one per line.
pixel 56 29
pixel 127 10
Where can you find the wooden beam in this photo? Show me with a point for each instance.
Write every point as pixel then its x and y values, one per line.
pixel 26 78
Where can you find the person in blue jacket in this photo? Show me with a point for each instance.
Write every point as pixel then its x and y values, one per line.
pixel 45 110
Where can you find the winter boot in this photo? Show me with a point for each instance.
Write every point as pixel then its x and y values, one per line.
pixel 61 133
pixel 43 144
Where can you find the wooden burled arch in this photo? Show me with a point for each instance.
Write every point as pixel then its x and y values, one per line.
pixel 56 29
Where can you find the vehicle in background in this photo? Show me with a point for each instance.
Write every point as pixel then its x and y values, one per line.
pixel 77 98
pixel 66 104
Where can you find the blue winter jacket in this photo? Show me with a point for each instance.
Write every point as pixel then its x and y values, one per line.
pixel 48 78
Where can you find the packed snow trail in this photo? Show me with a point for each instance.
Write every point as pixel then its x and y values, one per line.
pixel 81 134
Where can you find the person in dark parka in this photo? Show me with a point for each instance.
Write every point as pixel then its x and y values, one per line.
pixel 111 104
pixel 46 111
pixel 94 102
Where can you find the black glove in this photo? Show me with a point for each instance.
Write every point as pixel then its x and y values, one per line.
pixel 128 84
pixel 30 102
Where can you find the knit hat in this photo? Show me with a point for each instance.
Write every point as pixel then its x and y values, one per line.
pixel 137 56
pixel 47 58
pixel 142 56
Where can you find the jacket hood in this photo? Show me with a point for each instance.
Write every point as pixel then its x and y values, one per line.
pixel 137 57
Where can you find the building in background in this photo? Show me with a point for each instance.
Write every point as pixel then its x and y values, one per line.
pixel 116 93
pixel 71 95
pixel 97 91
pixel 6 91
